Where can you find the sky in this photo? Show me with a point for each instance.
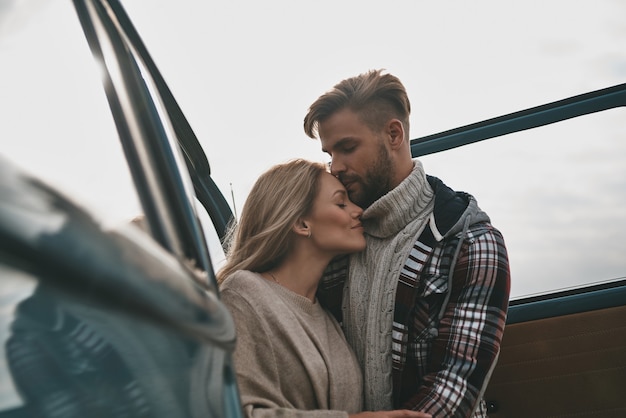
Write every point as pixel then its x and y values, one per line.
pixel 245 72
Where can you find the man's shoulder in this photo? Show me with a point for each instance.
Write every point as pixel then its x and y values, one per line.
pixel 473 231
pixel 481 228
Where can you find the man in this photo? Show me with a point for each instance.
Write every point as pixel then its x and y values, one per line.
pixel 424 306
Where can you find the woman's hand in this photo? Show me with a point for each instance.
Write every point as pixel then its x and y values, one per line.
pixel 399 413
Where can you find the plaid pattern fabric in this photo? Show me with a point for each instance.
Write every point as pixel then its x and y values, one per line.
pixel 453 346
pixel 442 352
pixel 405 299
pixel 330 289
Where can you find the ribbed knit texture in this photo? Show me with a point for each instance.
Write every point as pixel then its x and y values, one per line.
pixel 392 224
pixel 291 358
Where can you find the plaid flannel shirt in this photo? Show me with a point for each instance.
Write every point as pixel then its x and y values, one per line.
pixel 447 329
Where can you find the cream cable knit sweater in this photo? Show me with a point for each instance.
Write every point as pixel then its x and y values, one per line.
pixel 291 358
pixel 392 225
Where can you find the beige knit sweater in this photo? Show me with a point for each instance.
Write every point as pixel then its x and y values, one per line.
pixel 292 359
pixel 392 225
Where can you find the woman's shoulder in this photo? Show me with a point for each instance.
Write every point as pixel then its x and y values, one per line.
pixel 243 282
pixel 247 294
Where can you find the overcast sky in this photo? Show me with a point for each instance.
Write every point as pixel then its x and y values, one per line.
pixel 245 72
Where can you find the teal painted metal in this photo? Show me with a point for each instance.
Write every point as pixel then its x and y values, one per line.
pixel 567 302
pixel 534 117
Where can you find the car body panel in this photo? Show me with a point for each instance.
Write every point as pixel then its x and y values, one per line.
pixel 123 321
pixel 95 311
pixel 127 321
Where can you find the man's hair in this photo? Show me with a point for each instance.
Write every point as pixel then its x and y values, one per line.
pixel 374 96
pixel 264 236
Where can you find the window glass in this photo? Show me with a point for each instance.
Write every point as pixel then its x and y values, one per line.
pixel 245 73
pixel 56 122
pixel 556 193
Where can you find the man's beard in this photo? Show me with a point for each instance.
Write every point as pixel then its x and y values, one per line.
pixel 376 182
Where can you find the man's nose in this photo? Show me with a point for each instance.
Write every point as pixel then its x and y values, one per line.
pixel 336 166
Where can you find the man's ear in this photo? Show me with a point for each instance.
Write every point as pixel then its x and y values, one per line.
pixel 395 130
pixel 302 228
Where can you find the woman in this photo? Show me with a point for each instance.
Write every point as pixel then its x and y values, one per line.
pixel 292 359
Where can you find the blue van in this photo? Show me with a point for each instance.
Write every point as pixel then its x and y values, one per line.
pixel 126 321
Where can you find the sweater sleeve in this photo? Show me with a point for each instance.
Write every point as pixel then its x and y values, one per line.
pixel 468 338
pixel 259 373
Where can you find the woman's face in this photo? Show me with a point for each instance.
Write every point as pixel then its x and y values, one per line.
pixel 335 221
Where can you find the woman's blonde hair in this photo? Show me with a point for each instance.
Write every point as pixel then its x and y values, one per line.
pixel 263 236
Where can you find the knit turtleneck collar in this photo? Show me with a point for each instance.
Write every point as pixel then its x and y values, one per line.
pixel 411 199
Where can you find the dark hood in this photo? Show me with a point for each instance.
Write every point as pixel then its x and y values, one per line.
pixel 453 208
